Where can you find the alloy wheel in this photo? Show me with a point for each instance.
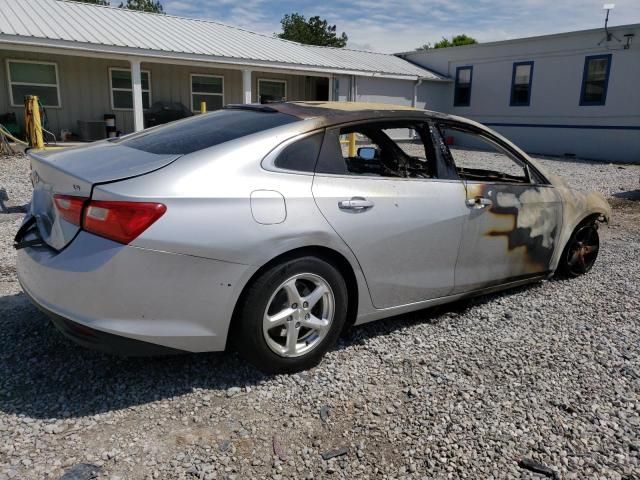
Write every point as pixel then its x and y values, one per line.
pixel 298 315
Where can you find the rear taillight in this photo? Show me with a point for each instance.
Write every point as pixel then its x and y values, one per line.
pixel 120 221
pixel 70 207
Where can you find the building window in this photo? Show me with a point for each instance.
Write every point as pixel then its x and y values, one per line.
pixel 122 89
pixel 521 84
pixel 209 89
pixel 462 95
pixel 272 90
pixel 33 78
pixel 595 80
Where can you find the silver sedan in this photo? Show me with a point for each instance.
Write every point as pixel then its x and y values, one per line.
pixel 271 228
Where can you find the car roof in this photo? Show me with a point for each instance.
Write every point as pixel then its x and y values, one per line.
pixel 332 113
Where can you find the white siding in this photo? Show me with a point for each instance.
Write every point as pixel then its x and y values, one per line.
pixel 555 93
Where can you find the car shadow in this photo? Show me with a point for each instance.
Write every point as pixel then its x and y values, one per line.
pixel 633 195
pixel 44 375
pixel 433 316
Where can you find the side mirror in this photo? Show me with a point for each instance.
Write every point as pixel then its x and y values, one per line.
pixel 368 153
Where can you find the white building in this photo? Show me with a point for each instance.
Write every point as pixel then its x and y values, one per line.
pixel 567 94
pixel 570 93
pixel 85 61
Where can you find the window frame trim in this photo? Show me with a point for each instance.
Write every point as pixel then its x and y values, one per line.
pixel 274 80
pixel 488 136
pixel 512 102
pixel 12 103
pixel 117 89
pixel 191 75
pixel 269 161
pixel 457 84
pixel 335 128
pixel 585 71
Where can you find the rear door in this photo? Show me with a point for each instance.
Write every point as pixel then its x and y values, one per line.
pixel 394 207
pixel 513 216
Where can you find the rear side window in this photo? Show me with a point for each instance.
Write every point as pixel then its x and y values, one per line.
pixel 301 155
pixel 204 131
pixel 379 149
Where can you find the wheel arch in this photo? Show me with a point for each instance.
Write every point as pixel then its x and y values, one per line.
pixel 329 255
pixel 593 217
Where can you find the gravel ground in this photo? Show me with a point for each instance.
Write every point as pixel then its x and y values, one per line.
pixel 550 373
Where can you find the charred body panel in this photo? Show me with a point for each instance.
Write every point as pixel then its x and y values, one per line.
pixel 532 227
pixel 577 207
pixel 514 236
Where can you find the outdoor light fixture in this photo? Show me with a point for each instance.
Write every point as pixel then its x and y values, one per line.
pixel 628 37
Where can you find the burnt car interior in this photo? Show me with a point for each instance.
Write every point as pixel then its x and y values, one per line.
pixel 496 164
pixel 380 155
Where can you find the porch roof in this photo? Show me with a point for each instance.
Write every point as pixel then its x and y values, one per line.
pixel 109 30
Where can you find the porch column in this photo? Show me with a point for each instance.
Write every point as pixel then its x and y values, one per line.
pixel 136 81
pixel 246 86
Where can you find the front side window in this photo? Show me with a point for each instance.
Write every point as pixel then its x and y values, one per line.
pixel 462 95
pixel 595 80
pixel 272 90
pixel 208 89
pixel 521 84
pixel 378 150
pixel 33 78
pixel 478 158
pixel 122 89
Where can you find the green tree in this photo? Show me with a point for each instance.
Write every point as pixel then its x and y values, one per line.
pixel 153 6
pixel 95 2
pixel 456 41
pixel 315 31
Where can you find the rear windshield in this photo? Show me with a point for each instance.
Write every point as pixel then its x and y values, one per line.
pixel 204 131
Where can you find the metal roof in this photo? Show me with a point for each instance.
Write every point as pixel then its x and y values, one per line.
pixel 573 33
pixel 67 24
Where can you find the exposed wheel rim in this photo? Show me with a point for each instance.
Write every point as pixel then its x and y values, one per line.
pixel 583 250
pixel 299 315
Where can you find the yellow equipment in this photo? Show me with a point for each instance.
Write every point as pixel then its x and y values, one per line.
pixel 352 145
pixel 32 122
pixel 203 107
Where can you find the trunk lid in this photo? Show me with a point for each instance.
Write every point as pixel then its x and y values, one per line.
pixel 75 172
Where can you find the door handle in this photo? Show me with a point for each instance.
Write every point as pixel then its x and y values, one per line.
pixel 479 202
pixel 356 203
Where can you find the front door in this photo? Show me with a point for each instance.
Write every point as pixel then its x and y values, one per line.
pixel 387 202
pixel 514 218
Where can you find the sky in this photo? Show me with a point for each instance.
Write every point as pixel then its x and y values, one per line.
pixel 395 26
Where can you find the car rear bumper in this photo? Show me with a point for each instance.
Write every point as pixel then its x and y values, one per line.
pixel 104 342
pixel 132 300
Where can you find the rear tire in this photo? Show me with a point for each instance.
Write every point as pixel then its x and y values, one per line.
pixel 581 251
pixel 291 315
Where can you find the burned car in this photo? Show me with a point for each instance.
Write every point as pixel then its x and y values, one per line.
pixel 270 228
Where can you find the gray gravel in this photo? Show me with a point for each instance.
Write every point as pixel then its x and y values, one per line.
pixel 550 373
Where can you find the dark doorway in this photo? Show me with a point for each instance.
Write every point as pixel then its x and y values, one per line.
pixel 318 88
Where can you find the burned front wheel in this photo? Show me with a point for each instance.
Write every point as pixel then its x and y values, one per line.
pixel 581 251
